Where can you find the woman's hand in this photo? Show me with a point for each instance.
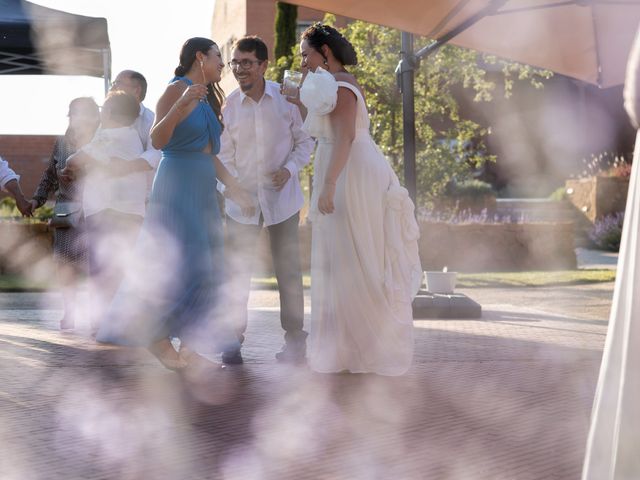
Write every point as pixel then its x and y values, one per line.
pixel 193 92
pixel 295 99
pixel 325 202
pixel 244 200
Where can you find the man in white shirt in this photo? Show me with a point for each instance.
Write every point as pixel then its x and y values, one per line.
pixel 10 182
pixel 135 84
pixel 114 205
pixel 264 146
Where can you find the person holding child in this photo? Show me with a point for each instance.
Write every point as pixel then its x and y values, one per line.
pixel 114 196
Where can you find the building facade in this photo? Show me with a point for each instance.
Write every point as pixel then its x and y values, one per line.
pixel 233 19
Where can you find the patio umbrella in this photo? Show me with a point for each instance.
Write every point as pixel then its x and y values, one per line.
pixel 588 40
pixel 584 39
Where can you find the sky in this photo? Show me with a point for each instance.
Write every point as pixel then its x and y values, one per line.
pixel 145 35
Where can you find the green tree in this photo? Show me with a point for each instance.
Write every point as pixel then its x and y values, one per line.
pixel 448 146
pixel 285 39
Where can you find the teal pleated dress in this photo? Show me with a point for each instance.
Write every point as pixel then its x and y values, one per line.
pixel 173 286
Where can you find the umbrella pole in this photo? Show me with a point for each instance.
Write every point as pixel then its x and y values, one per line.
pixel 405 75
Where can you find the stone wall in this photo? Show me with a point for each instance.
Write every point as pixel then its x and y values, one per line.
pixel 474 247
pixel 497 247
pixel 460 247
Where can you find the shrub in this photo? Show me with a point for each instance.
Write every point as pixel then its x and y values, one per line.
pixel 607 232
pixel 470 188
pixel 8 210
pixel 467 217
pixel 559 194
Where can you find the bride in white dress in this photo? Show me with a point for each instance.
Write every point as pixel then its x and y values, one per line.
pixel 614 437
pixel 365 269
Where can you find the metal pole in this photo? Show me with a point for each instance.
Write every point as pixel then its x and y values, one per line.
pixel 406 75
pixel 106 69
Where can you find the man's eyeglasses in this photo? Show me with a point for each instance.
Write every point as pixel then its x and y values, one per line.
pixel 244 64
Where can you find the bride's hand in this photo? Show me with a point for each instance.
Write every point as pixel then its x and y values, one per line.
pixel 244 200
pixel 325 202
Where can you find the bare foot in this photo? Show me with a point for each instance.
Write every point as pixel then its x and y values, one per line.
pixel 163 350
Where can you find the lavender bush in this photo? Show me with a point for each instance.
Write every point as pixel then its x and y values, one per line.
pixel 607 232
pixel 467 216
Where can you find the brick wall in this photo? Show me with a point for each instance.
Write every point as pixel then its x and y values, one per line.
pixel 28 156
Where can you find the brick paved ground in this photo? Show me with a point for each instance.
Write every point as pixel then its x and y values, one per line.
pixel 504 397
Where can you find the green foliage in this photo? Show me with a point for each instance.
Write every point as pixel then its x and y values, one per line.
pixel 285 43
pixel 285 26
pixel 559 194
pixel 449 146
pixel 470 188
pixel 8 210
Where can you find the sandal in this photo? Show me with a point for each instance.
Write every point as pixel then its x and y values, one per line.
pixel 167 355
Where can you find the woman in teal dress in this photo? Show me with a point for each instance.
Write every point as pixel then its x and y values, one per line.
pixel 172 288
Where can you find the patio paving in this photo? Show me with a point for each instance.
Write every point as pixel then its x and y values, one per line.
pixel 507 397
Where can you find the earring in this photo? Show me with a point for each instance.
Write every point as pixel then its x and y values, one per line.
pixel 325 62
pixel 201 63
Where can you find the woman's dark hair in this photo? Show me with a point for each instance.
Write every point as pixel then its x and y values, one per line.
pixel 319 34
pixel 88 105
pixel 215 95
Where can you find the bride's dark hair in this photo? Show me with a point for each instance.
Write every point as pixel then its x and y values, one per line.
pixel 319 34
pixel 215 95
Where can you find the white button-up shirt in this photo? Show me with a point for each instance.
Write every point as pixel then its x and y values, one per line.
pixel 143 125
pixel 259 138
pixel 124 194
pixel 6 174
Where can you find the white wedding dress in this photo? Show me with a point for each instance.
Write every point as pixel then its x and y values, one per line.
pixel 365 269
pixel 613 446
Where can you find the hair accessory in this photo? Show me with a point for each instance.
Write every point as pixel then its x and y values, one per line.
pixel 321 28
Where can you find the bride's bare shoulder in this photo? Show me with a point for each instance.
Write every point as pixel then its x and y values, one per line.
pixel 348 78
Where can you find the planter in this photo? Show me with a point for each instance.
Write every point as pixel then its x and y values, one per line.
pixel 440 282
pixel 479 247
pixel 597 197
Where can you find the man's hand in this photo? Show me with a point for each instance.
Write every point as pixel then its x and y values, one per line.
pixel 243 199
pixel 280 178
pixel 24 205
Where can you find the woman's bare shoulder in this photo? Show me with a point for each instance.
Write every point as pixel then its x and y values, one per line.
pixel 346 77
pixel 350 79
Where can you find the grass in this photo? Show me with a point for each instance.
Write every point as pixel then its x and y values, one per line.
pixel 498 279
pixel 16 283
pixel 534 279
